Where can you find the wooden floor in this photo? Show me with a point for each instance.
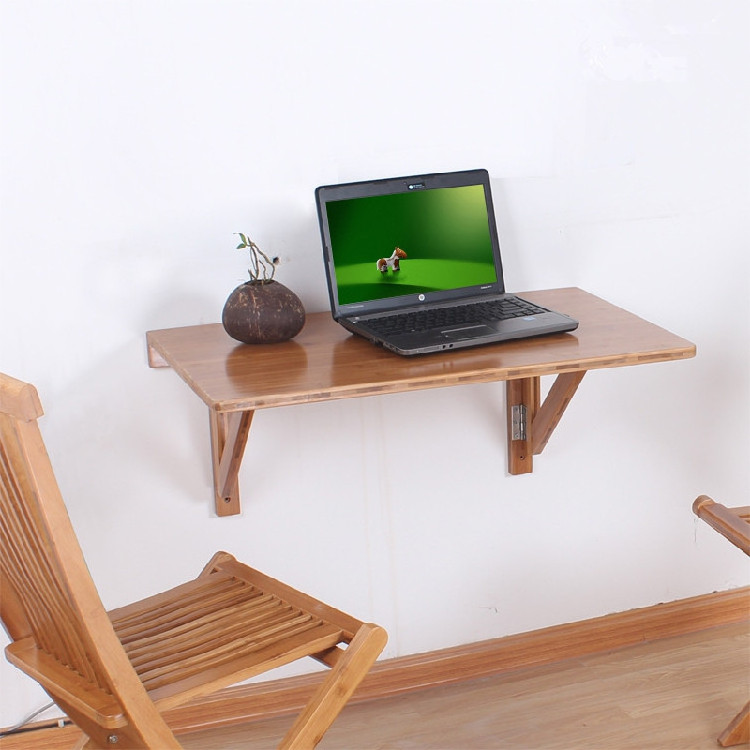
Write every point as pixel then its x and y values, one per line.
pixel 677 693
pixel 674 693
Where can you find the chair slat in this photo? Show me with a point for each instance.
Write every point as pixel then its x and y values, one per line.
pixel 234 653
pixel 169 691
pixel 214 632
pixel 26 543
pixel 181 603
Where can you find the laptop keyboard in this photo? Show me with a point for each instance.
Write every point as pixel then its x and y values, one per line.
pixel 443 317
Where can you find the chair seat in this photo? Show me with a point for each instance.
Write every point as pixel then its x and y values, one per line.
pixel 195 638
pixel 217 629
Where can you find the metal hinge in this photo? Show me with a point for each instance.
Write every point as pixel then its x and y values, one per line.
pixel 518 422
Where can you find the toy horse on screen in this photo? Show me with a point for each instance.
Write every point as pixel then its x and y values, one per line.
pixel 385 263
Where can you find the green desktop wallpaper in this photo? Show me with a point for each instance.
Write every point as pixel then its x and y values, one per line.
pixel 444 233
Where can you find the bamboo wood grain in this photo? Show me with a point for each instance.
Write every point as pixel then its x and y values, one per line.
pixel 548 415
pixel 324 362
pixel 234 447
pixel 229 433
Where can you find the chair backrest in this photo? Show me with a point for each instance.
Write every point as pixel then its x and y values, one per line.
pixel 48 594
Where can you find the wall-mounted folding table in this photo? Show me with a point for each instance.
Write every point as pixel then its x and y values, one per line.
pixel 324 363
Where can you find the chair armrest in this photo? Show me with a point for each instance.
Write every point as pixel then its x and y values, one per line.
pixel 732 523
pixel 65 684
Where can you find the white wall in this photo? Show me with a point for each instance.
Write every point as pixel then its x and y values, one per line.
pixel 138 136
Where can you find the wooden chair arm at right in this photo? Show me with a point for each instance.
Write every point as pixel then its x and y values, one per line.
pixel 732 523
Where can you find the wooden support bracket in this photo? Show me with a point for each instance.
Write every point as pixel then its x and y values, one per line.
pixel 229 433
pixel 530 424
pixel 522 399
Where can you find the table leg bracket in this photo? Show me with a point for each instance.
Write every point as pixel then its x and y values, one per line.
pixel 229 433
pixel 531 423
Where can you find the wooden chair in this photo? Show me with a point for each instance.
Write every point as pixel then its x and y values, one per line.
pixel 114 673
pixel 734 524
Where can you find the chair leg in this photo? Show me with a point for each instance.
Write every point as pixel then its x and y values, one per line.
pixel 125 738
pixel 336 689
pixel 738 731
pixel 99 738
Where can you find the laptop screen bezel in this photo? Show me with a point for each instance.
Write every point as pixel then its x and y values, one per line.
pixel 389 186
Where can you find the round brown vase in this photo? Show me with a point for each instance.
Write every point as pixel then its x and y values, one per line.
pixel 263 312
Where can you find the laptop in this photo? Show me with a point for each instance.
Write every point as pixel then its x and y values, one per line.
pixel 413 264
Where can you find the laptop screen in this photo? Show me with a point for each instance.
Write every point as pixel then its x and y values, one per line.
pixel 412 244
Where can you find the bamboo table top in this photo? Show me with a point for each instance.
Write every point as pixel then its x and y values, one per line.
pixel 325 362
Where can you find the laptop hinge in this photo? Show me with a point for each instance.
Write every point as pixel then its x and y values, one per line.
pixel 518 422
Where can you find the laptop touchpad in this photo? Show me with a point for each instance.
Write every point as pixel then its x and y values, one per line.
pixel 468 332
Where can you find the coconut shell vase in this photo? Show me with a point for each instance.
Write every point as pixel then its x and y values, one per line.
pixel 262 310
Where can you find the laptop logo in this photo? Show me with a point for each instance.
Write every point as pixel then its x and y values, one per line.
pixel 421 297
pixel 417 186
